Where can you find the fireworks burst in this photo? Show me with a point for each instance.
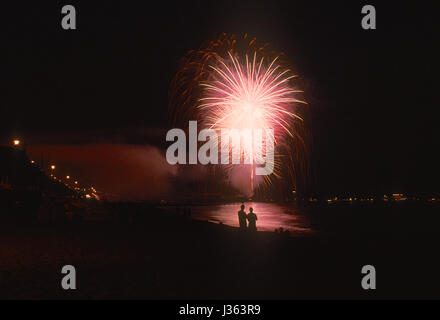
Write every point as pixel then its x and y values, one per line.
pixel 255 97
pixel 224 86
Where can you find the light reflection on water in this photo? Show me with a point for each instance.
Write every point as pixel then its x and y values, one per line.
pixel 270 216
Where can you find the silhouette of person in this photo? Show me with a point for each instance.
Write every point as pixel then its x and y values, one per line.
pixel 242 218
pixel 252 218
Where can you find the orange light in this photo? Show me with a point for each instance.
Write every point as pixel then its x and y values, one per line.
pixel 52 167
pixel 67 177
pixel 88 196
pixel 76 182
pixel 16 142
pixel 32 161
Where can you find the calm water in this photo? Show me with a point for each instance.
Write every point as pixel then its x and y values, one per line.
pixel 270 216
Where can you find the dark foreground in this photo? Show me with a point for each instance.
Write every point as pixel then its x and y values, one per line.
pixel 162 256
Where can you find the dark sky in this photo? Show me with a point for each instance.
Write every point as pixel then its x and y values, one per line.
pixel 372 93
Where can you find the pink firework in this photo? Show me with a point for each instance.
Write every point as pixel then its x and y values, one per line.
pixel 232 83
pixel 249 96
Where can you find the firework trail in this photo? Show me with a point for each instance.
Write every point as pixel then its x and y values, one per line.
pixel 231 83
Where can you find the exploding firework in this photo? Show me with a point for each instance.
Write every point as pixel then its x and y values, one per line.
pixel 230 84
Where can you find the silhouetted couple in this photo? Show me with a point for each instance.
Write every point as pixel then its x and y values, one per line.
pixel 247 221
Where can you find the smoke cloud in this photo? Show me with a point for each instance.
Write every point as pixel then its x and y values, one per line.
pixel 128 172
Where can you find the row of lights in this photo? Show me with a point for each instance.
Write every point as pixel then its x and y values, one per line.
pixel 17 143
pixel 53 167
pixel 88 196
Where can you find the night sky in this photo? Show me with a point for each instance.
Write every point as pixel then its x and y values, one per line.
pixel 371 93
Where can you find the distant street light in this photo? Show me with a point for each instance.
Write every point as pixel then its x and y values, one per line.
pixel 16 142
pixel 76 182
pixel 52 167
pixel 67 177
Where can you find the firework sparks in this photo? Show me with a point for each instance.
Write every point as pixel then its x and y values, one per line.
pixel 247 98
pixel 226 87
